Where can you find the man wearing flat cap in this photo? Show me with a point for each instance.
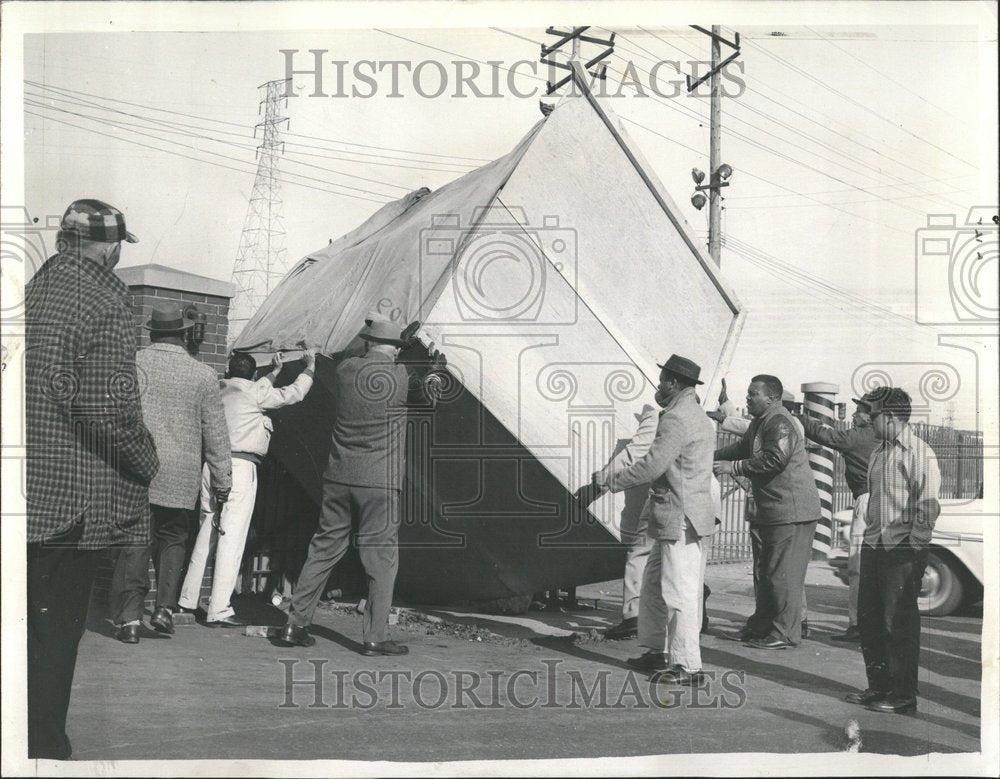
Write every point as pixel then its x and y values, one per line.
pixel 90 457
pixel 182 408
pixel 680 515
pixel 362 483
pixel 904 482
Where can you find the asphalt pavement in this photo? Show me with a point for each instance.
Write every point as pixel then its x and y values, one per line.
pixel 490 687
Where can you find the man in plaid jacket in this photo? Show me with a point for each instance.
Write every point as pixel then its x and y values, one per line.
pixel 182 408
pixel 90 457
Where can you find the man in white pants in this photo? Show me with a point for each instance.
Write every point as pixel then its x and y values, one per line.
pixel 632 525
pixel 680 513
pixel 244 401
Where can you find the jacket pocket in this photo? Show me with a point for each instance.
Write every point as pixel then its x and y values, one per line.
pixel 666 520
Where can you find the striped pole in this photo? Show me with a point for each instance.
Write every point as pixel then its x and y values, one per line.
pixel 820 403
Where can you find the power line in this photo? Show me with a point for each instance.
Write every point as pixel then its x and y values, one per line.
pixel 774 183
pixel 882 74
pixel 233 144
pixel 170 125
pixel 196 148
pixel 243 126
pixel 860 105
pixel 195 159
pixel 786 105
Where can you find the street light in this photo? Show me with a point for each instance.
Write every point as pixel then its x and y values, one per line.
pixel 697 175
pixel 698 200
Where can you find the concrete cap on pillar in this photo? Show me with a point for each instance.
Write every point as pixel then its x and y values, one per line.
pixel 821 386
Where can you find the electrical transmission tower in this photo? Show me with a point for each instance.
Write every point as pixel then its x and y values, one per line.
pixel 261 257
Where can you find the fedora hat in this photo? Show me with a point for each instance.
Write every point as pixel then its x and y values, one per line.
pixel 167 318
pixel 683 367
pixel 383 332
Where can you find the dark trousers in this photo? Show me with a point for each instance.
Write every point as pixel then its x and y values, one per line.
pixel 59 584
pixel 129 583
pixel 780 559
pixel 376 510
pixel 889 618
pixel 168 532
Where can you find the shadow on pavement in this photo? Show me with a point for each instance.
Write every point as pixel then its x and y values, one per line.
pixel 872 741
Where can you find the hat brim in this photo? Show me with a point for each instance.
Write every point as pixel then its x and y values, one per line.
pixel 675 373
pixel 156 329
pixel 376 340
pixel 130 238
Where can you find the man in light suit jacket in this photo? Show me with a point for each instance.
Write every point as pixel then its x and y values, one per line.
pixel 182 408
pixel 680 515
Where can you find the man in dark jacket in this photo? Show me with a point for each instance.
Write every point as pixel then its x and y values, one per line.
pixel 362 481
pixel 90 457
pixel 856 445
pixel 772 455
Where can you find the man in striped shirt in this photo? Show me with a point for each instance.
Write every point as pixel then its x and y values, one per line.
pixel 903 482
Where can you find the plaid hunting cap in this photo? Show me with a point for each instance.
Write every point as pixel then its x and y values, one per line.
pixel 96 221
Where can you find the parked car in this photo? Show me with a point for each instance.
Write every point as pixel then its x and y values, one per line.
pixel 954 573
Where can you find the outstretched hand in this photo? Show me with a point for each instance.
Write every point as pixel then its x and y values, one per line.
pixel 723 394
pixel 409 334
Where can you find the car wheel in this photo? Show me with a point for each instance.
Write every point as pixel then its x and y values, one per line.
pixel 941 589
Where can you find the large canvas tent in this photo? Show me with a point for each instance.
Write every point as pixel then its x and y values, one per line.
pixel 554 279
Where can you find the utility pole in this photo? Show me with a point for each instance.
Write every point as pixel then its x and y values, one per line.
pixel 261 257
pixel 719 172
pixel 714 159
pixel 574 37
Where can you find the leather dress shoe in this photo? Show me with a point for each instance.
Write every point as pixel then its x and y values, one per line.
pixel 627 628
pixel 128 634
pixel 648 661
pixel 864 697
pixel 226 622
pixel 162 621
pixel 768 642
pixel 743 635
pixel 850 636
pixel 373 648
pixel 894 704
pixel 678 676
pixel 296 636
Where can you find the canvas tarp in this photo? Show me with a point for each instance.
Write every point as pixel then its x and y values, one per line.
pixel 554 279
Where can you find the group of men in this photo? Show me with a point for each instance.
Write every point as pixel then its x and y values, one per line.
pixel 892 474
pixel 121 446
pixel 123 443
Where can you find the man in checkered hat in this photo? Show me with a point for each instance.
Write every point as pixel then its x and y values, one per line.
pixel 90 457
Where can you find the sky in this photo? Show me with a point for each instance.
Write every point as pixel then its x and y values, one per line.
pixel 843 142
